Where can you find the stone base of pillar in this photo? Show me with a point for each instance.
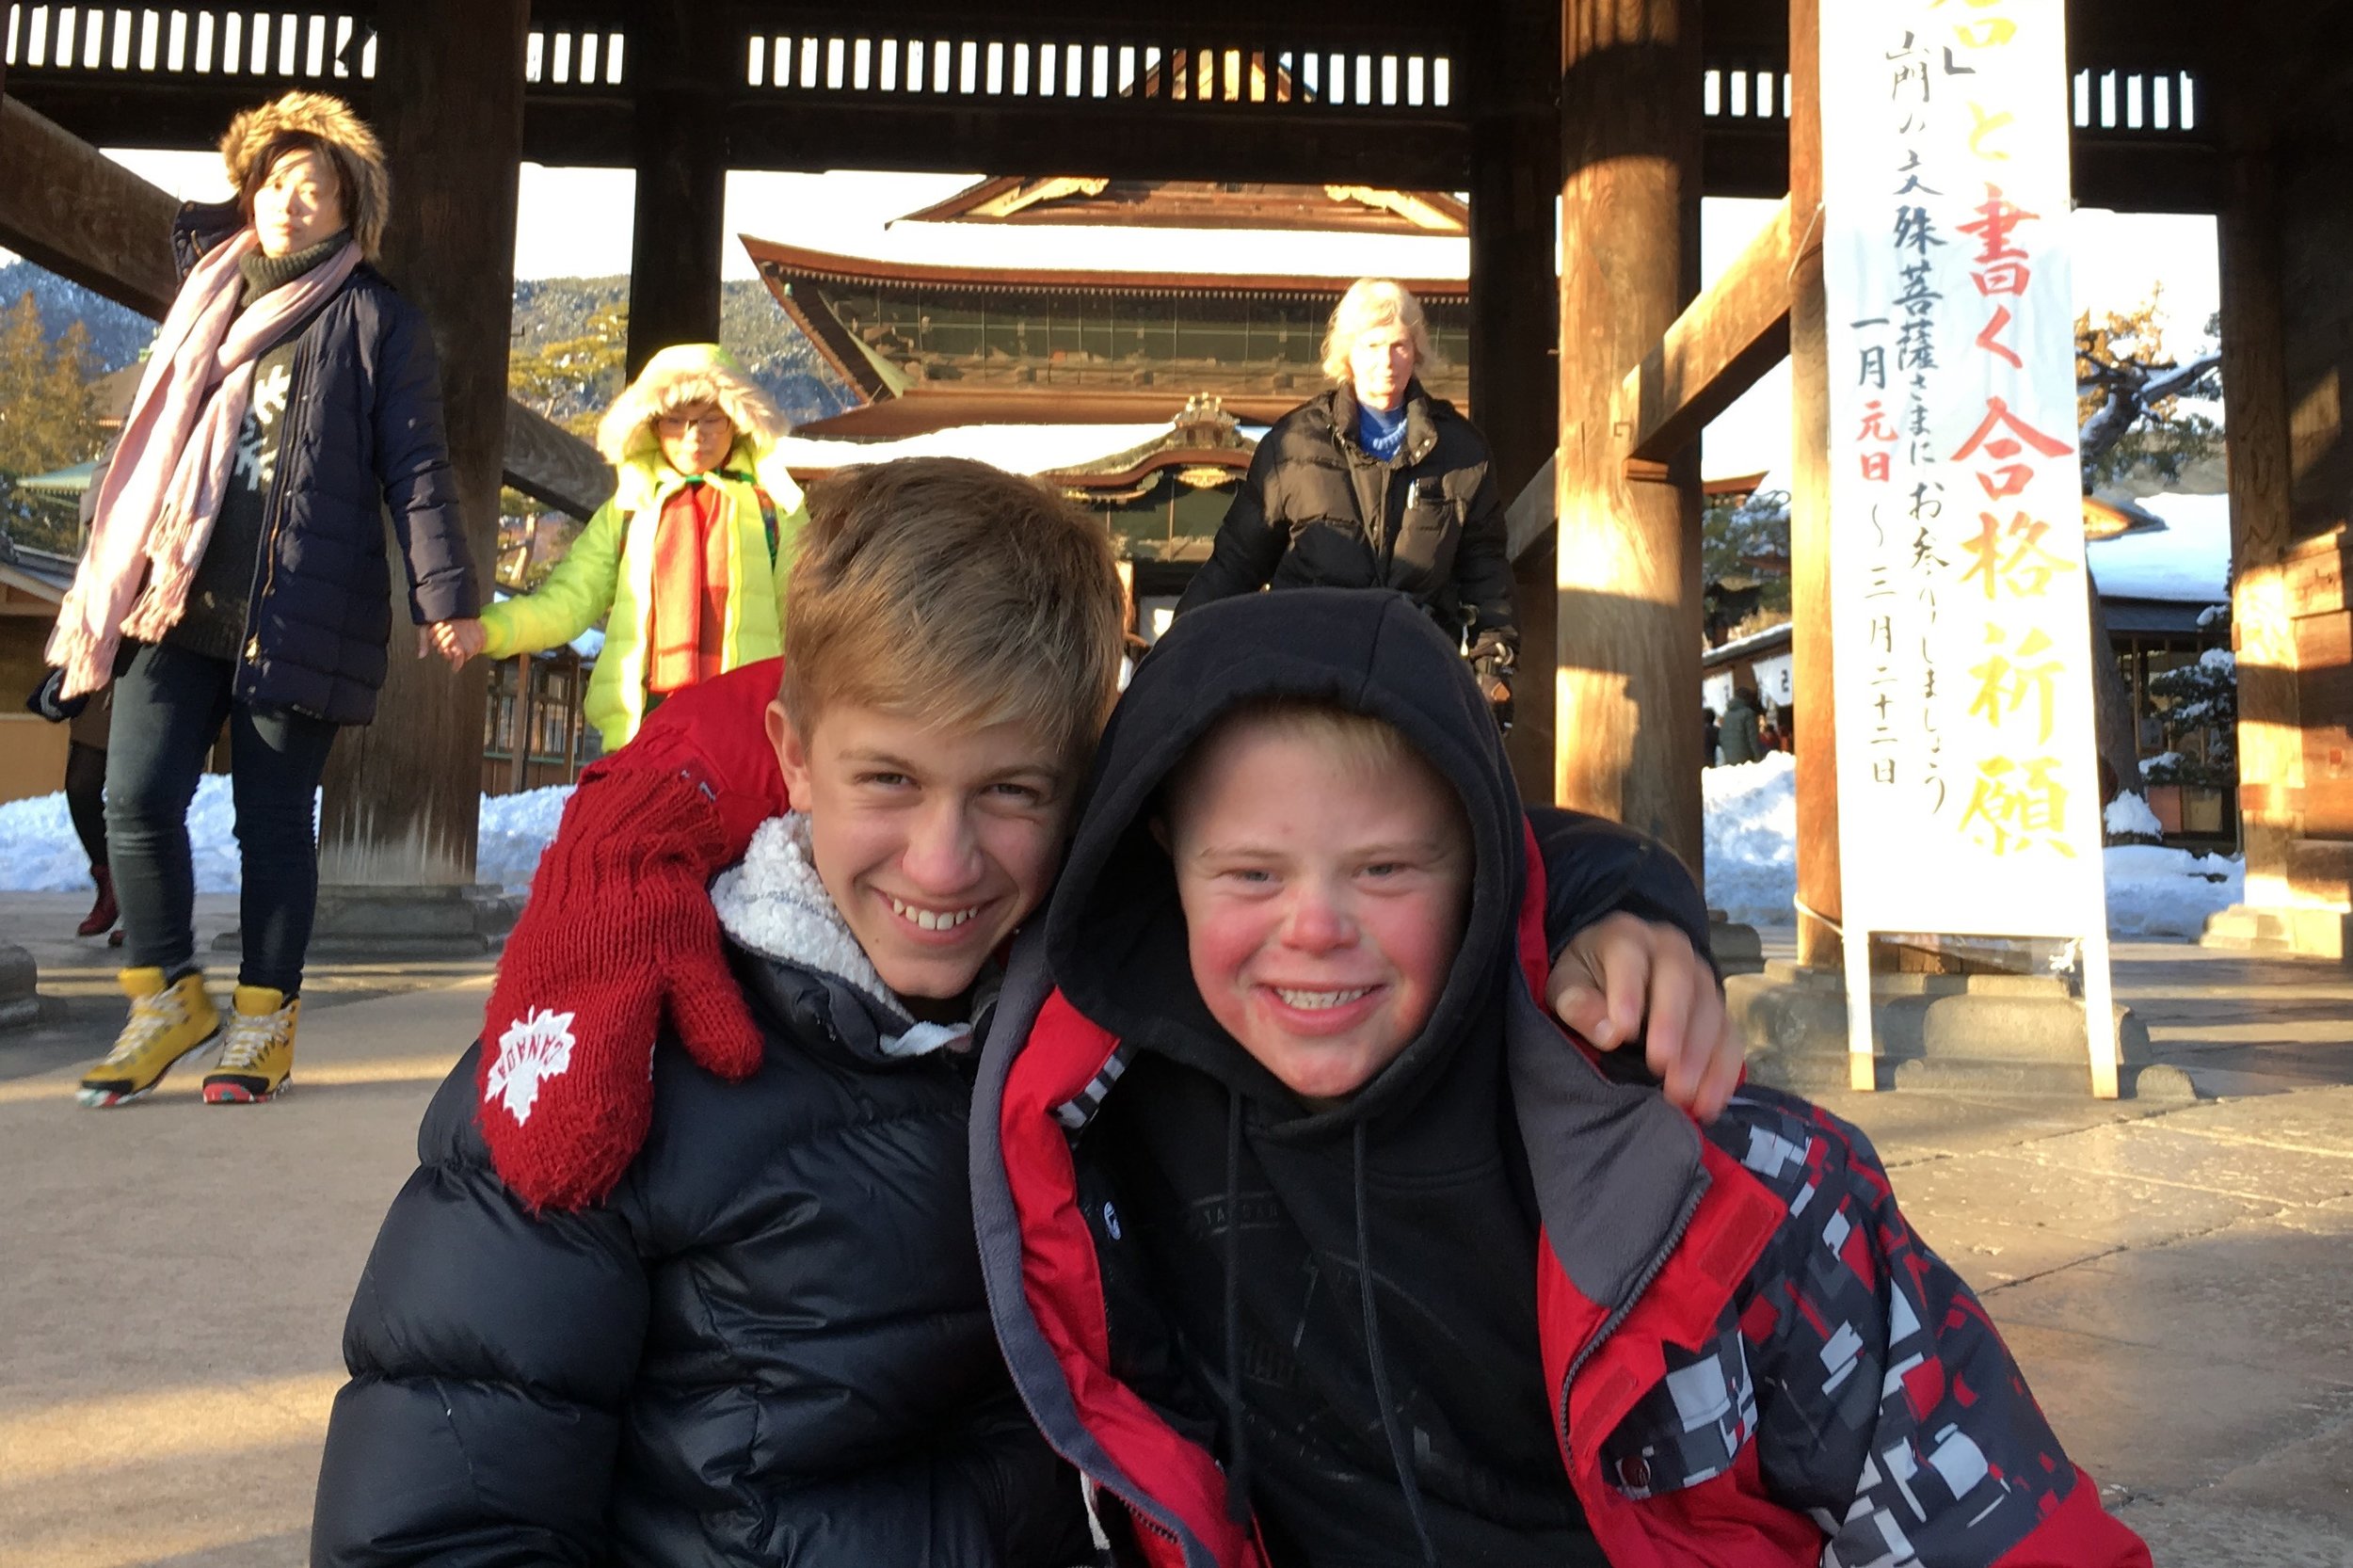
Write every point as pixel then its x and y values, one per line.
pixel 2281 929
pixel 394 923
pixel 1737 948
pixel 19 1003
pixel 1988 1033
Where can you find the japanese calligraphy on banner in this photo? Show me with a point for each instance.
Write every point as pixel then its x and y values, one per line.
pixel 1969 797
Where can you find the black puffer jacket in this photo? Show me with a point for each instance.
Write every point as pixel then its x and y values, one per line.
pixel 1317 511
pixel 364 436
pixel 770 1346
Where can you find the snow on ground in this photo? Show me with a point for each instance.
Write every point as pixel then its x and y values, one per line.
pixel 2156 891
pixel 39 853
pixel 2130 813
pixel 514 829
pixel 1752 852
pixel 1752 847
pixel 1751 840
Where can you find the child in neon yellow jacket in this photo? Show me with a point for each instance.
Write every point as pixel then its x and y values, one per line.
pixel 685 562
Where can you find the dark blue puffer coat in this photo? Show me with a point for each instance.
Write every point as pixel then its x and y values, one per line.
pixel 365 435
pixel 769 1347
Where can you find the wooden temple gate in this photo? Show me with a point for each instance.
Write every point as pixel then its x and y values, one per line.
pixel 1623 111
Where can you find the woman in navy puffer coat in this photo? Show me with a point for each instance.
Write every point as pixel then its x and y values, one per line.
pixel 264 584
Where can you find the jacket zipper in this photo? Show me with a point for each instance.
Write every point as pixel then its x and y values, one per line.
pixel 1618 1315
pixel 266 570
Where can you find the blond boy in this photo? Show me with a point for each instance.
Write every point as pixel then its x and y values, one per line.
pixel 766 1342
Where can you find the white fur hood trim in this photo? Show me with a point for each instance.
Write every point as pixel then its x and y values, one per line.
pixel 773 904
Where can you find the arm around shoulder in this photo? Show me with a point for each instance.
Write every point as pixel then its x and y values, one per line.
pixel 1595 867
pixel 490 1352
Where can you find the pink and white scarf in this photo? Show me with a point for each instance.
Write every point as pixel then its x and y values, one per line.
pixel 159 496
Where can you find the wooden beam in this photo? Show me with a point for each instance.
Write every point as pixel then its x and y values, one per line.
pixel 1628 686
pixel 552 466
pixel 1515 385
pixel 2260 445
pixel 570 127
pixel 1816 724
pixel 66 206
pixel 677 241
pixel 401 795
pixel 1723 343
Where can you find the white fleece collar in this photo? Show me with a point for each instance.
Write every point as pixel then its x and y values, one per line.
pixel 773 904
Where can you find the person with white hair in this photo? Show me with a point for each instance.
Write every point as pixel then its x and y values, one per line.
pixel 1376 484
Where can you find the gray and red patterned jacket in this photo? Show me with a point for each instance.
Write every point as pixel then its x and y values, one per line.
pixel 1746 1355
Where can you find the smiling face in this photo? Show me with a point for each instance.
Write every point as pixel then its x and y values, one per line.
pixel 1325 886
pixel 299 204
pixel 696 438
pixel 933 843
pixel 1380 363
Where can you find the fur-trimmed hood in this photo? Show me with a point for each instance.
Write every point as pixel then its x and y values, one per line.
pixel 682 374
pixel 331 120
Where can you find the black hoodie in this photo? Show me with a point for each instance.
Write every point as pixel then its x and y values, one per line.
pixel 1413 1429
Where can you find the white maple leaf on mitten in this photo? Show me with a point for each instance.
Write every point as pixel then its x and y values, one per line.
pixel 535 1048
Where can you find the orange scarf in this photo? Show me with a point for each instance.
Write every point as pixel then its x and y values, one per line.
pixel 686 628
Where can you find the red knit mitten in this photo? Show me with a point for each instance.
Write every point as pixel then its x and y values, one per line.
pixel 619 928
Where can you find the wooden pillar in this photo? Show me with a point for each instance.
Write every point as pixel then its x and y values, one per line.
pixel 519 729
pixel 2256 437
pixel 1515 388
pixel 1629 631
pixel 1815 740
pixel 403 794
pixel 681 126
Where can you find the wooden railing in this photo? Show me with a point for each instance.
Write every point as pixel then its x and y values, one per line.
pixel 210 41
pixel 2153 102
pixel 1158 69
pixel 1257 74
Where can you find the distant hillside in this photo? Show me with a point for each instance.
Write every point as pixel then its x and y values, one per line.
pixel 554 310
pixel 546 310
pixel 118 335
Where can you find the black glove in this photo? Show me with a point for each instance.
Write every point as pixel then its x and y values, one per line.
pixel 1490 660
pixel 49 703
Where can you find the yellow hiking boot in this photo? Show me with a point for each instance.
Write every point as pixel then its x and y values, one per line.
pixel 166 1023
pixel 257 1058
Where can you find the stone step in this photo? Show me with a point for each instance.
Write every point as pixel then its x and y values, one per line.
pixel 2281 929
pixel 19 1004
pixel 1991 1034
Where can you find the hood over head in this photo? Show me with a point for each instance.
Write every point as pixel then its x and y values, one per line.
pixel 1117 931
pixel 332 121
pixel 680 375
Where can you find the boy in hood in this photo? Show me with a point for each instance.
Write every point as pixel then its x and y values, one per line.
pixel 1312 1242
pixel 710 1294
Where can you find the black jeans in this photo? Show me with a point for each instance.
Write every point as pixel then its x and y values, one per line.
pixel 85 800
pixel 170 705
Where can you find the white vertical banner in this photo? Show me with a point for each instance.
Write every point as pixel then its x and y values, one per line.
pixel 1968 784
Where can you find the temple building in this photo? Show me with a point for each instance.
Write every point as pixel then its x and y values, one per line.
pixel 923 347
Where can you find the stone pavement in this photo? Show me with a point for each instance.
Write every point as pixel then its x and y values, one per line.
pixel 173 1276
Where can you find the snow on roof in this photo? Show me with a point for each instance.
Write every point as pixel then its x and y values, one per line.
pixel 2189 562
pixel 1018 448
pixel 1774 637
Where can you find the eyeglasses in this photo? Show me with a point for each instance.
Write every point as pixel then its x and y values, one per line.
pixel 710 424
